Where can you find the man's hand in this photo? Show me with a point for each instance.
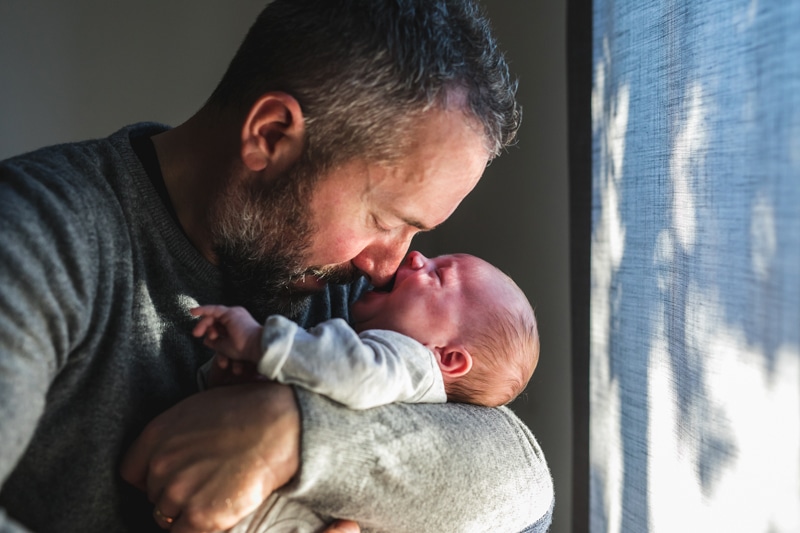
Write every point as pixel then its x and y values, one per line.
pixel 213 458
pixel 223 372
pixel 343 526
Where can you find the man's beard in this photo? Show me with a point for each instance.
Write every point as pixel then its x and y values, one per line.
pixel 262 236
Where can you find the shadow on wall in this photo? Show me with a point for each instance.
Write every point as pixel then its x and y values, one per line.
pixel 695 327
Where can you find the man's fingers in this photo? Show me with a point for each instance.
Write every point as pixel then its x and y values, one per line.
pixel 343 526
pixel 164 519
pixel 135 463
pixel 215 456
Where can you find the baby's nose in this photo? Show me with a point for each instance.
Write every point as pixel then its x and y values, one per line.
pixel 415 260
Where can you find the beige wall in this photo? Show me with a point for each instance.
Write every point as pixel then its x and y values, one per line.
pixel 80 69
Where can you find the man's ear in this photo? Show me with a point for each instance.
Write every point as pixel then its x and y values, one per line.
pixel 454 361
pixel 273 133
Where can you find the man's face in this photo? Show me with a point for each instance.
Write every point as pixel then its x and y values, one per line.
pixel 365 215
pixel 281 241
pixel 261 233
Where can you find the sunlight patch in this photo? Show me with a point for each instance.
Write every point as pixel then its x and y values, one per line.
pixel 686 167
pixel 749 491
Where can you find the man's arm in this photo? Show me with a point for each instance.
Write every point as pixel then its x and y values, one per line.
pixel 435 467
pixel 431 467
pixel 44 300
pixel 214 457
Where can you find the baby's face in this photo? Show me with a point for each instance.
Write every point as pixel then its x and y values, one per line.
pixel 430 298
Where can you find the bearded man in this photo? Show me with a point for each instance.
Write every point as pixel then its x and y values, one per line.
pixel 339 131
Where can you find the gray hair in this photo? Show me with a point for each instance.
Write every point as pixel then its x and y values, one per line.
pixel 364 70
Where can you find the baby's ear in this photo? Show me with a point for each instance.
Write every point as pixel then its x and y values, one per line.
pixel 454 361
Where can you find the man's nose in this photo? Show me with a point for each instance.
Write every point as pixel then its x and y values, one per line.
pixel 379 261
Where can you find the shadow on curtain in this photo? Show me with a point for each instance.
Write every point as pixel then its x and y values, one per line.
pixel 694 367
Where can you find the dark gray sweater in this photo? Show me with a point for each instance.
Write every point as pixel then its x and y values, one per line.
pixel 96 281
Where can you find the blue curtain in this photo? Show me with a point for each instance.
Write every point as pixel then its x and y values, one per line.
pixel 694 315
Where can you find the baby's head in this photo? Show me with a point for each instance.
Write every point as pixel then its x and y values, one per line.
pixel 475 319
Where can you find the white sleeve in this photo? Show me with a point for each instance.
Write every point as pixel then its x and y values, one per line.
pixel 360 371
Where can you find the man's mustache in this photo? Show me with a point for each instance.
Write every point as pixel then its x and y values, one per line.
pixel 343 274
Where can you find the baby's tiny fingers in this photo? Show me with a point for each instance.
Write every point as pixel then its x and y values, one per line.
pixel 202 326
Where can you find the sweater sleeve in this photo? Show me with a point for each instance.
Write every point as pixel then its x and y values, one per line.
pixel 360 371
pixel 427 467
pixel 44 302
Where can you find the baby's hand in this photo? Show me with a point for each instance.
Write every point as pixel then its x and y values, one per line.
pixel 209 325
pixel 230 331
